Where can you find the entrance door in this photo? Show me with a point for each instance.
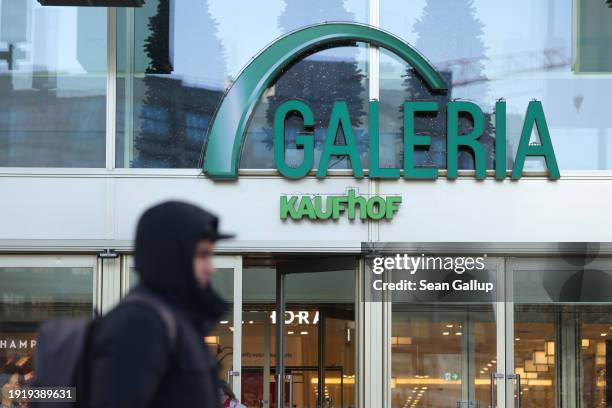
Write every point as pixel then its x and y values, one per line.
pixel 448 346
pixel 224 341
pixel 317 335
pixel 560 311
pixel 299 337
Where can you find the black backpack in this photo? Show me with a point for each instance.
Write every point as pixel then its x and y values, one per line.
pixel 62 348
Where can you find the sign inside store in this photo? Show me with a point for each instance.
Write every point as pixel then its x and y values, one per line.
pixel 298 317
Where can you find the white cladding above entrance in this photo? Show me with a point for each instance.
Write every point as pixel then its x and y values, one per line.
pixel 80 212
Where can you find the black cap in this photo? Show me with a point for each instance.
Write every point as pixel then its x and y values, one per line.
pixel 212 232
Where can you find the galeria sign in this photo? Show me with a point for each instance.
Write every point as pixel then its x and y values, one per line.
pixel 340 118
pixel 228 127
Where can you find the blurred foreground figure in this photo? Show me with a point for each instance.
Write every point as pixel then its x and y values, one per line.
pixel 149 351
pixel 228 398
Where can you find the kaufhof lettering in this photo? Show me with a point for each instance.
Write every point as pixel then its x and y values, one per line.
pixel 317 207
pixel 340 118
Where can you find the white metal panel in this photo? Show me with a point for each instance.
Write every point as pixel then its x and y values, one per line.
pixel 527 210
pixel 78 210
pixel 248 207
pixel 53 208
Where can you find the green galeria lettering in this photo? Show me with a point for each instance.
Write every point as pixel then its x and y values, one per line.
pixel 411 140
pixel 454 139
pixel 535 117
pixel 500 139
pixel 306 141
pixel 332 207
pixel 340 117
pixel 375 170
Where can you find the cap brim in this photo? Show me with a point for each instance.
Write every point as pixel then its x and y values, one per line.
pixel 221 235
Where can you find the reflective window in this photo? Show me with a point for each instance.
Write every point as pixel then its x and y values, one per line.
pixel 319 80
pixel 519 51
pixel 594 47
pixel 176 58
pixel 29 296
pixel 52 85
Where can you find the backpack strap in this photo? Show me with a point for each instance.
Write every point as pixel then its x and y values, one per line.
pixel 163 311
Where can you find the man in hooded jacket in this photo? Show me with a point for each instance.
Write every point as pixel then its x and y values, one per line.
pixel 133 363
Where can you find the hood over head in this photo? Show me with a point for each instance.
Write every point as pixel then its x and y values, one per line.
pixel 166 239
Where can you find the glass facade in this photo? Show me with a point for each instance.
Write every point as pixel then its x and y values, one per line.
pixel 175 60
pixel 517 51
pixel 53 71
pixel 30 295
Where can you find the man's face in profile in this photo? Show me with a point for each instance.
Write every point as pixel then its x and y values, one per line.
pixel 203 268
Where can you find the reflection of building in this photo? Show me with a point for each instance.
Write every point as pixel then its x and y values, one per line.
pixel 436 127
pixel 173 118
pixel 57 122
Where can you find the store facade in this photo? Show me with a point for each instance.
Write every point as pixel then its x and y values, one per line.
pixel 111 110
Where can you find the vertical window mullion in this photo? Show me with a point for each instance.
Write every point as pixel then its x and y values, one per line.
pixel 111 86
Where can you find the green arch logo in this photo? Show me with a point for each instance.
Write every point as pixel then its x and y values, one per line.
pixel 226 136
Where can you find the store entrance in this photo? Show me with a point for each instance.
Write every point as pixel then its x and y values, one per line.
pixel 444 356
pixel 312 350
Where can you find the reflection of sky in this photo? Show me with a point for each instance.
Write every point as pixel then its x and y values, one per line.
pixel 247 27
pixel 48 28
pixel 573 103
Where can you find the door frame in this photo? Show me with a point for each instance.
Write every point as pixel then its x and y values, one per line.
pixel 298 265
pixel 233 262
pixel 382 392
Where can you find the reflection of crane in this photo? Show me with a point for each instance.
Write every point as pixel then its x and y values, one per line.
pixel 467 71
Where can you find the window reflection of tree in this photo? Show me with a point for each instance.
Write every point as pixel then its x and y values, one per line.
pixel 320 81
pixel 175 115
pixel 449 30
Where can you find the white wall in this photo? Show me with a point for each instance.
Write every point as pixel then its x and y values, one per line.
pixel 92 211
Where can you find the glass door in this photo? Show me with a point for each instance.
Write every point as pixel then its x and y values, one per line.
pixel 224 341
pixel 448 344
pixel 299 335
pixel 560 310
pixel 316 338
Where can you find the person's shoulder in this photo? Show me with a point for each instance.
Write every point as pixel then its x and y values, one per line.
pixel 132 318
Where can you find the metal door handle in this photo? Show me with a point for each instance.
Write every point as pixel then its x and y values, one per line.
pixel 517 377
pixel 230 374
pixel 289 378
pixel 494 378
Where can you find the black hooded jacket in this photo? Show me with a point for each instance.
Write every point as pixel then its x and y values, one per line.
pixel 133 364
